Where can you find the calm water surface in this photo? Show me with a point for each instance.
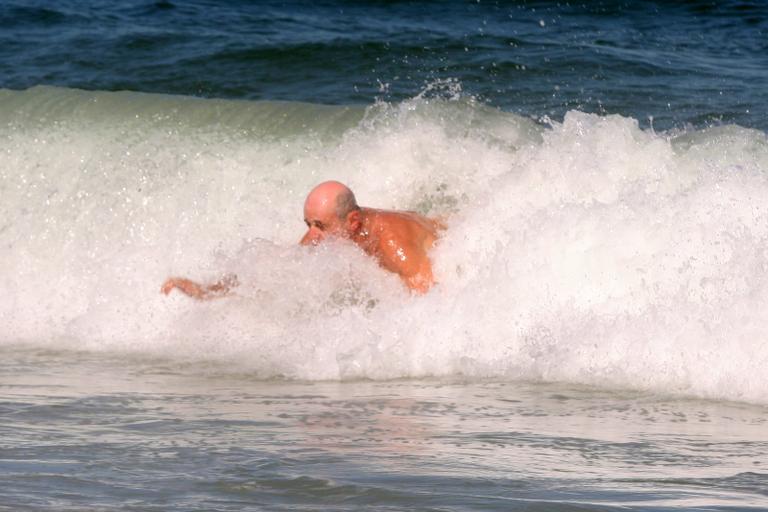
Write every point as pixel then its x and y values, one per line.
pixel 85 432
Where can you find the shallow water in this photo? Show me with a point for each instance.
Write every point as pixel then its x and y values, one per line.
pixel 108 433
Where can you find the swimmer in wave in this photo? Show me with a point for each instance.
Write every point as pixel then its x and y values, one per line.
pixel 399 241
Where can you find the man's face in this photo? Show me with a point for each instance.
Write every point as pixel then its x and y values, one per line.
pixel 321 224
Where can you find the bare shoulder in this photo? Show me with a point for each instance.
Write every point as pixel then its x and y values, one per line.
pixel 406 222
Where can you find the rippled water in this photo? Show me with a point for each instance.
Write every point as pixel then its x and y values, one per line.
pixel 84 432
pixel 696 61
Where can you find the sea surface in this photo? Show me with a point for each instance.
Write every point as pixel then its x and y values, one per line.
pixel 597 336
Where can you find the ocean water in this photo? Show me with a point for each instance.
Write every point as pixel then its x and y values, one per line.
pixel 595 341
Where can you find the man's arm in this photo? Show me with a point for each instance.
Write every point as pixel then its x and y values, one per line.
pixel 198 291
pixel 409 260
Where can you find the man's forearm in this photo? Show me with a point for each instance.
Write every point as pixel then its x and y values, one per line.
pixel 198 291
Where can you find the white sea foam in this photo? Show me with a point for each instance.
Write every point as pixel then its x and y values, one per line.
pixel 590 251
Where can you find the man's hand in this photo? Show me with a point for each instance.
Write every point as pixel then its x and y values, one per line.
pixel 186 286
pixel 200 292
pixel 168 285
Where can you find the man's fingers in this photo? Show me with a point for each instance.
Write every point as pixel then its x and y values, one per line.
pixel 167 286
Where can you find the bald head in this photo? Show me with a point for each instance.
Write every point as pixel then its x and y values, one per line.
pixel 330 210
pixel 330 198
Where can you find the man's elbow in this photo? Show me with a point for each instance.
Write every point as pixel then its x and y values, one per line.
pixel 420 282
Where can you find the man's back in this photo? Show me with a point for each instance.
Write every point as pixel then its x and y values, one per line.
pixel 400 241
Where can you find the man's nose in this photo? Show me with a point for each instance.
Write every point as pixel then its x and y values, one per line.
pixel 312 237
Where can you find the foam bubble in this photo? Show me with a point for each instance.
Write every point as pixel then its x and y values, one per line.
pixel 591 251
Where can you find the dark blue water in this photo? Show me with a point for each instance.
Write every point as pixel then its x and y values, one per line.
pixel 677 64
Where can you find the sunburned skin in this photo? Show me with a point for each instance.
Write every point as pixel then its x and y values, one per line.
pixel 399 241
pixel 199 291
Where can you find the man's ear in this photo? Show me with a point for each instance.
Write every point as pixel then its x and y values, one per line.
pixel 353 221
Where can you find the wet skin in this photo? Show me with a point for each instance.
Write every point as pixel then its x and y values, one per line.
pixel 399 241
pixel 200 291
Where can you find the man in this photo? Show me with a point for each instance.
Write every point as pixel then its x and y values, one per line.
pixel 399 241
